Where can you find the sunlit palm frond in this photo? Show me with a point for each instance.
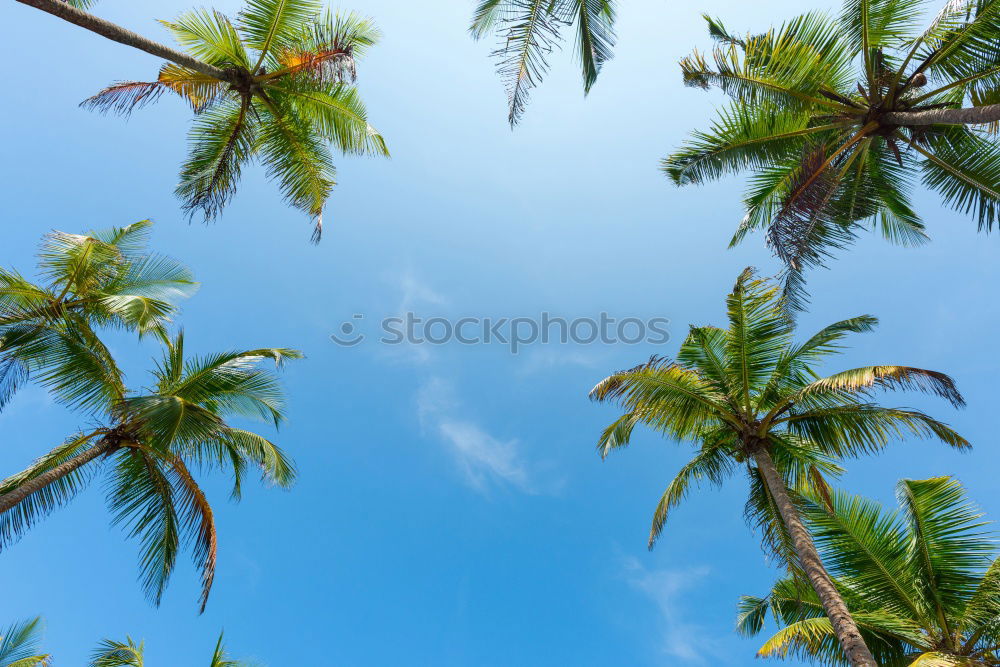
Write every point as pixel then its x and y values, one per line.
pixel 918 581
pixel 111 653
pixel 892 378
pixel 19 645
pixel 742 137
pixel 340 116
pixel 855 429
pixel 270 26
pixel 209 36
pixel 948 547
pixel 220 659
pixel 665 397
pixel 759 330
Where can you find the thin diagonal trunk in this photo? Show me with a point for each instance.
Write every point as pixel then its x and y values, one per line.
pixel 844 626
pixel 123 36
pixel 12 498
pixel 989 113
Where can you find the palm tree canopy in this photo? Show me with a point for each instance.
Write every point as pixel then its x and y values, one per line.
pixel 288 95
pixel 922 581
pixel 829 116
pixel 112 653
pixel 729 390
pixel 529 30
pixel 151 439
pixel 103 279
pixel 19 644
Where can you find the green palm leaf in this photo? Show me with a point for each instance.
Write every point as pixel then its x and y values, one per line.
pixel 19 645
pixel 834 119
pixel 921 582
pixel 748 396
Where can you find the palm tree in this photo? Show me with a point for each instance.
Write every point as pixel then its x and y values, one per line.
pixel 111 653
pixel 748 397
pixel 19 645
pixel 145 442
pixel 100 280
pixel 836 118
pixel 529 30
pixel 922 582
pixel 274 86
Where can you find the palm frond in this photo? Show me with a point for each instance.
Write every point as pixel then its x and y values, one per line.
pixel 595 38
pixel 891 378
pixel 965 169
pixel 198 523
pixel 142 498
pixel 270 26
pixel 948 547
pixel 221 141
pixel 19 644
pixel 529 31
pixel 18 519
pixel 713 464
pixel 124 97
pixel 111 653
pixel 295 155
pixel 209 36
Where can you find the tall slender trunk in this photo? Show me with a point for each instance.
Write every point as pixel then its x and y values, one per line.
pixel 12 498
pixel 844 626
pixel 989 113
pixel 123 36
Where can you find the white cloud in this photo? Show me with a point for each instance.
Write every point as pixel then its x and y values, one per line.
pixel 545 358
pixel 680 639
pixel 483 459
pixel 415 296
pixel 415 292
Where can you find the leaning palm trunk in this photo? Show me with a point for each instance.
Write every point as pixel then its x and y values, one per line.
pixel 35 484
pixel 989 113
pixel 750 395
pixel 843 624
pixel 118 34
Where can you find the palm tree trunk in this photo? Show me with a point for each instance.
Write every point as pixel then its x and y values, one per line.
pixel 12 498
pixel 118 34
pixel 844 626
pixel 989 113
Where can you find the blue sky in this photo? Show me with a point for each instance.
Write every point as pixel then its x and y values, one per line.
pixel 451 509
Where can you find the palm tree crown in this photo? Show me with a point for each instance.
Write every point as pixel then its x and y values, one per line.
pixel 104 279
pixel 146 441
pixel 529 30
pixel 836 118
pixel 731 389
pixel 113 653
pixel 923 581
pixel 749 397
pixel 283 94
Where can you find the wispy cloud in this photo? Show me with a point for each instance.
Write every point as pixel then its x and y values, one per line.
pixel 415 295
pixel 680 639
pixel 484 459
pixel 546 358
